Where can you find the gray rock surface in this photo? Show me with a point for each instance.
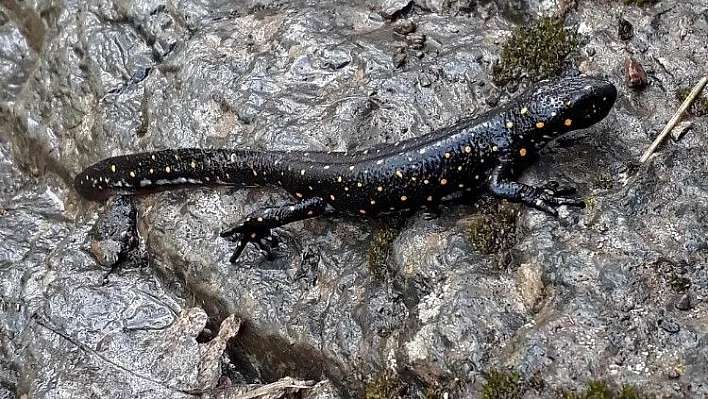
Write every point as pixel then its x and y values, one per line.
pixel 615 292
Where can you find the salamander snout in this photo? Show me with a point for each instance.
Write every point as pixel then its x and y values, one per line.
pixel 573 103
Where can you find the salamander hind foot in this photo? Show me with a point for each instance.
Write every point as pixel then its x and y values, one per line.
pixel 242 234
pixel 256 228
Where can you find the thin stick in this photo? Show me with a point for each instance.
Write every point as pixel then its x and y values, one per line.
pixel 675 119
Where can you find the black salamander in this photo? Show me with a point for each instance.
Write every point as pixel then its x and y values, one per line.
pixel 488 151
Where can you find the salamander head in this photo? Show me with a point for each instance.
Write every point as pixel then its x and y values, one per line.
pixel 560 106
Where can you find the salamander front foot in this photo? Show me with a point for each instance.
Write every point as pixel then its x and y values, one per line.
pixel 550 196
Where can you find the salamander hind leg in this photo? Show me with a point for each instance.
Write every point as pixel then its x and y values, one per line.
pixel 256 227
pixel 545 198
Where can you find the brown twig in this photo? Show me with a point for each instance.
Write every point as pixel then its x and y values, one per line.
pixel 675 119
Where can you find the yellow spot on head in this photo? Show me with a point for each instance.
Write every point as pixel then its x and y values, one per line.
pixel 524 110
pixel 151 171
pixel 309 212
pixel 359 184
pixel 468 149
pixel 379 188
pixel 302 172
pixel 399 173
pixel 113 168
pixel 298 195
pixel 509 124
pixel 495 148
pixel 363 212
pixel 426 181
pixel 152 157
pixel 167 169
pixel 404 198
pixel 339 179
pixel 447 155
pixel 540 125
pixel 193 164
pixel 373 202
pixel 430 198
pixel 443 181
pixel 132 173
pixel 522 152
pixel 260 219
pixel 331 197
pixel 568 122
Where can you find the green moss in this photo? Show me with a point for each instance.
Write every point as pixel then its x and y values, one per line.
pixel 602 390
pixel 381 239
pixel 536 52
pixel 679 283
pixel 699 106
pixel 502 385
pixel 385 386
pixel 493 233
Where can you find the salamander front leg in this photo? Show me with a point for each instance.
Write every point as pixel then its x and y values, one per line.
pixel 256 227
pixel 545 198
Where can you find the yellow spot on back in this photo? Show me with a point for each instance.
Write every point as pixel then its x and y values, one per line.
pixel 509 124
pixel 152 157
pixel 568 122
pixel 522 152
pixel 430 198
pixel 524 110
pixel 331 197
pixel 447 155
pixel 443 181
pixel 167 169
pixel 495 148
pixel 379 188
pixel 404 198
pixel 233 157
pixel 339 179
pixel 359 184
pixel 113 168
pixel 373 202
pixel 151 171
pixel 426 181
pixel 468 149
pixel 363 212
pixel 302 172
pixel 540 125
pixel 132 173
pixel 193 164
pixel 399 173
pixel 298 195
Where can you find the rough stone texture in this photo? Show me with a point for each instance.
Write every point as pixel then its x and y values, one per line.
pixel 615 292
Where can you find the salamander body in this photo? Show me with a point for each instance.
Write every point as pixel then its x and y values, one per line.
pixel 487 151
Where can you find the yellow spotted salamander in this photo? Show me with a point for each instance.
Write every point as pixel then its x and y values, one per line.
pixel 488 151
